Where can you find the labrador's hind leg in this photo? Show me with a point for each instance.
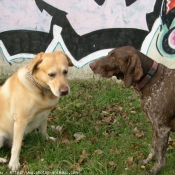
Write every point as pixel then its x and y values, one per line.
pixel 2 160
pixel 43 131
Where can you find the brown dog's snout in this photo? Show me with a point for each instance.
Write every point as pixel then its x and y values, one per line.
pixel 64 90
pixel 93 65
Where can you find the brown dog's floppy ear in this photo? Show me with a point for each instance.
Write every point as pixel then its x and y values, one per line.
pixel 133 71
pixel 35 62
pixel 69 61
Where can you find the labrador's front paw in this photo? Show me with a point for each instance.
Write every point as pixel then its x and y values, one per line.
pixel 3 160
pixel 14 166
pixel 52 138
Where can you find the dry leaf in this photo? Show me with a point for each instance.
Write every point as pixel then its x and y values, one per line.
pixel 170 139
pixel 130 159
pixel 58 108
pixel 115 151
pixel 76 167
pixel 64 138
pixel 120 108
pixel 130 162
pixel 133 112
pixel 170 147
pixel 104 113
pixel 98 151
pixel 24 169
pixel 123 114
pixel 51 166
pixel 98 122
pixel 107 119
pixel 139 134
pixel 143 166
pixel 50 119
pixel 96 128
pixel 135 146
pixel 57 128
pixel 105 134
pixel 112 164
pixel 53 127
pixel 136 130
pixel 93 140
pixel 132 109
pixel 83 157
pixel 79 136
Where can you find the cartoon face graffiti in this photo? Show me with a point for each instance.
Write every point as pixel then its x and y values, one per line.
pixel 166 37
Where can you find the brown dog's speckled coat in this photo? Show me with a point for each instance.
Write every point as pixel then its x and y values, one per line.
pixel 157 97
pixel 27 98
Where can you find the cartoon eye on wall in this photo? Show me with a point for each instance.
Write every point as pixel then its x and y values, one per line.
pixel 171 39
pixel 166 37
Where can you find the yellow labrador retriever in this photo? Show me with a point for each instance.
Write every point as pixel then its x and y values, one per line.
pixel 27 98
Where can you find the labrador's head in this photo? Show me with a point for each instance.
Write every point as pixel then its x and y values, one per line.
pixel 50 71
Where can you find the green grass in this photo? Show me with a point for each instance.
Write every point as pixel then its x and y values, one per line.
pixel 116 134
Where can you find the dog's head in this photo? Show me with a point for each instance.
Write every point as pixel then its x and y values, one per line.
pixel 123 62
pixel 50 71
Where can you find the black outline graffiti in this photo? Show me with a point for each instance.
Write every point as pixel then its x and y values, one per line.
pixel 24 41
pixel 100 2
pixel 129 2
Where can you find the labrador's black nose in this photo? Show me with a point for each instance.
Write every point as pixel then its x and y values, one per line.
pixel 64 90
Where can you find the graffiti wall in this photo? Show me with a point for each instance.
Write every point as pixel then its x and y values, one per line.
pixel 86 30
pixel 161 39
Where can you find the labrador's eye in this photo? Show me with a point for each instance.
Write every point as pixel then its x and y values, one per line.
pixel 65 72
pixel 52 75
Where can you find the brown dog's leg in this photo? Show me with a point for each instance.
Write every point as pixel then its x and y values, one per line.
pixel 159 146
pixel 152 152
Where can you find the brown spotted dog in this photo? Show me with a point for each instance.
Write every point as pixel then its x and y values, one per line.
pixel 156 85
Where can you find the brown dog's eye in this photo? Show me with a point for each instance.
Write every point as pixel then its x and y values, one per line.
pixel 52 75
pixel 65 72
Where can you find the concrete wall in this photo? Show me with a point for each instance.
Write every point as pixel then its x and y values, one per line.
pixel 7 70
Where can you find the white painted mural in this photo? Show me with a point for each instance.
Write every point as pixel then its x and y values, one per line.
pixel 86 29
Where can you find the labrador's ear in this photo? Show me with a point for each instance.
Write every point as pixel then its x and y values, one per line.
pixel 133 71
pixel 70 64
pixel 35 62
